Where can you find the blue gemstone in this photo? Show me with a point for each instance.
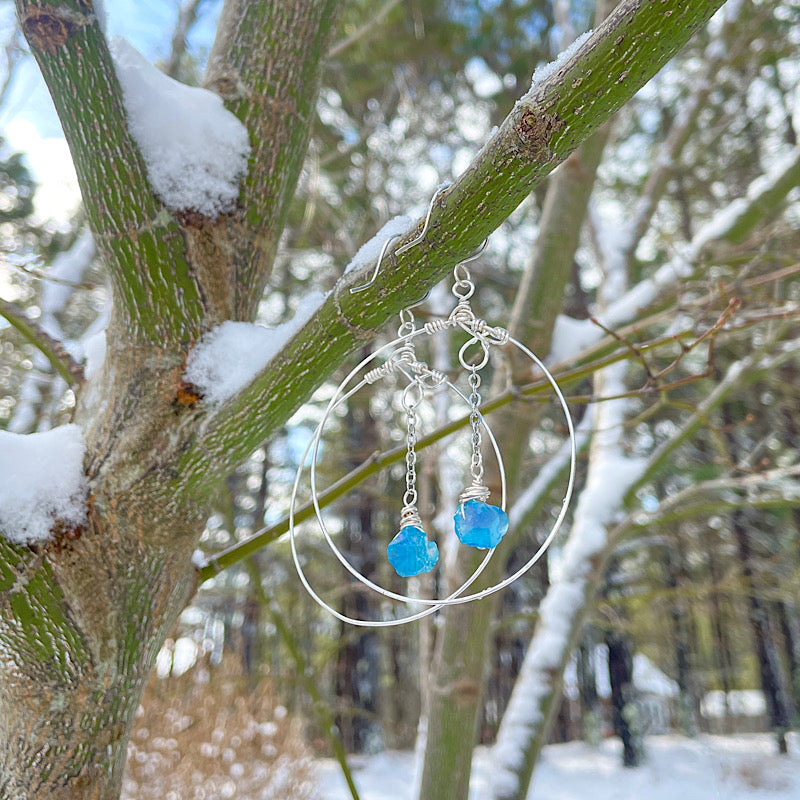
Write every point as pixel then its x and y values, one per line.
pixel 410 552
pixel 480 525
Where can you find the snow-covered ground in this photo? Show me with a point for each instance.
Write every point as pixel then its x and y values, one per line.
pixel 707 768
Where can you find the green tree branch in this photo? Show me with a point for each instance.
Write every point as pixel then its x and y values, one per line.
pixel 61 361
pixel 266 64
pixel 544 127
pixel 141 243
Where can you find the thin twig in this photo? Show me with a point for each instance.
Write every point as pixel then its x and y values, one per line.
pixel 43 276
pixel 776 275
pixel 187 16
pixel 364 29
pixel 62 362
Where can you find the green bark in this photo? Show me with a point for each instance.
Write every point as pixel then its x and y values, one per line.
pixel 266 64
pixel 83 616
pixel 155 293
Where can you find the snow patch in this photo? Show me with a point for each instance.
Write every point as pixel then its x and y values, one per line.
pixel 231 355
pixel 702 768
pixel 572 336
pixel 743 702
pixel 41 481
pixel 648 678
pixel 544 71
pixel 368 253
pixel 195 150
pixel 94 349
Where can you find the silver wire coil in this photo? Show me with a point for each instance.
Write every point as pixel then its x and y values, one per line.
pixel 475 491
pixel 410 516
pixel 428 377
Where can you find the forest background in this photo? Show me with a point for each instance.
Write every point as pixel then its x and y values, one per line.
pixel 655 269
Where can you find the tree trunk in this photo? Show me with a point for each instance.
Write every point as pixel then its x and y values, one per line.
pixel 79 633
pixel 786 613
pixel 538 303
pixel 457 681
pixel 625 715
pixel 679 617
pixel 83 616
pixel 587 687
pixel 358 658
pixel 721 650
pixel 773 680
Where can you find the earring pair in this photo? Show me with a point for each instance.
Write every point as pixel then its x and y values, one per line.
pixel 472 525
pixel 477 522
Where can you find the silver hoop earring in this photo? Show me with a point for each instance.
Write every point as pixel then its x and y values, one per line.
pixel 477 522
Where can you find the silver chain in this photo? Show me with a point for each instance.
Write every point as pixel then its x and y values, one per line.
pixel 410 497
pixel 476 465
pixel 412 397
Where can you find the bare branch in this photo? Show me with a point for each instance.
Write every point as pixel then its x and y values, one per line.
pixel 62 362
pixel 364 29
pixel 187 16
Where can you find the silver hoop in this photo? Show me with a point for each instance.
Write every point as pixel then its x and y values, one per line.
pixel 456 597
pixel 339 397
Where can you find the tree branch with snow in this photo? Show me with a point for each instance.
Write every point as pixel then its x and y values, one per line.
pixel 544 127
pixel 140 244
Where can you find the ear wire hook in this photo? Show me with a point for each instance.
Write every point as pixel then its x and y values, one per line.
pixel 402 249
pixel 475 255
pixel 354 289
pixel 424 230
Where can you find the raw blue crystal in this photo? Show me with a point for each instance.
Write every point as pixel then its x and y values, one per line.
pixel 480 525
pixel 410 552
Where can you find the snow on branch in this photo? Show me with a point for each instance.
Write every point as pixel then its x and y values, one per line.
pixel 530 497
pixel 730 221
pixel 369 251
pixel 571 336
pixel 544 71
pixel 41 483
pixel 231 355
pixel 195 150
pixel 609 476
